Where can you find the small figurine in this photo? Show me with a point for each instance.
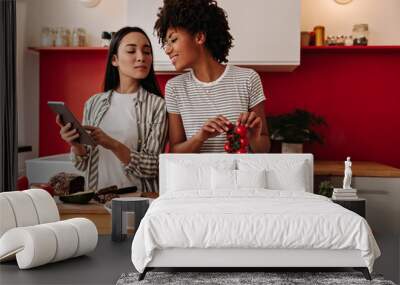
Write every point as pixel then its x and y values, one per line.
pixel 347 192
pixel 347 174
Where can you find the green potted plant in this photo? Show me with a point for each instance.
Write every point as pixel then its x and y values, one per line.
pixel 326 188
pixel 294 129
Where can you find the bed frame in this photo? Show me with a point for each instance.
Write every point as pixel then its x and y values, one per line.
pixel 242 259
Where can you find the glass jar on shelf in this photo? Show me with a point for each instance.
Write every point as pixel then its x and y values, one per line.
pixel 75 38
pixel 348 41
pixel 319 35
pixel 105 39
pixel 360 35
pixel 53 35
pixel 59 37
pixel 82 37
pixel 340 40
pixel 329 40
pixel 45 38
pixel 67 37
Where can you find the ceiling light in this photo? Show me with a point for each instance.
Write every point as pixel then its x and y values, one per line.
pixel 343 1
pixel 90 3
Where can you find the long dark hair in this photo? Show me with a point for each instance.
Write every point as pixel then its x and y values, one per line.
pixel 111 79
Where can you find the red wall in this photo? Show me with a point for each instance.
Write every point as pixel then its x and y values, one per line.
pixel 358 94
pixel 69 76
pixel 355 90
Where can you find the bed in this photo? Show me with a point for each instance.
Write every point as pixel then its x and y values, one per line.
pixel 246 211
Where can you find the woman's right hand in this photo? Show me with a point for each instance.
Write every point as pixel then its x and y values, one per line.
pixel 66 133
pixel 70 136
pixel 213 127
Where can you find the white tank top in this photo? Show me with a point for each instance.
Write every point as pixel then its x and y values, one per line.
pixel 120 123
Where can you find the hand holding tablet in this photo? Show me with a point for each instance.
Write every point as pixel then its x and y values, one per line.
pixel 101 138
pixel 67 118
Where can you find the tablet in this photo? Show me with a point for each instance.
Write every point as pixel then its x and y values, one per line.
pixel 66 116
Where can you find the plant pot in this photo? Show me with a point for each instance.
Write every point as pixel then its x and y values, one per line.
pixel 276 146
pixel 292 147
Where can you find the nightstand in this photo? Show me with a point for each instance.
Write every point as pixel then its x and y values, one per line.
pixel 138 205
pixel 357 205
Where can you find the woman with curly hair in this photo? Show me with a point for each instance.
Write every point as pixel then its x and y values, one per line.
pixel 202 103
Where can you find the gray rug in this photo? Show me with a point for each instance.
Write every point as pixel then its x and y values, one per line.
pixel 243 278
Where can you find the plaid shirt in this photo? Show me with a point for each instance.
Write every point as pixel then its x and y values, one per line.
pixel 152 134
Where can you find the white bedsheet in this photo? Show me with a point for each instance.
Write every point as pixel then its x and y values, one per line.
pixel 252 218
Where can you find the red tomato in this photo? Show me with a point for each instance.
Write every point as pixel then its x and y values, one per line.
pixel 242 150
pixel 241 131
pixel 227 147
pixel 244 142
pixel 22 183
pixel 231 126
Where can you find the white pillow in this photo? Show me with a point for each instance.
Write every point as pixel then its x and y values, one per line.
pixel 185 178
pixel 251 178
pixel 223 179
pixel 184 175
pixel 291 175
pixel 237 179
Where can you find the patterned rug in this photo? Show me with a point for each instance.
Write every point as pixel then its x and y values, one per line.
pixel 244 278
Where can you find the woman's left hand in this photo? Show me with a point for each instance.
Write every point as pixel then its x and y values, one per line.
pixel 251 121
pixel 101 138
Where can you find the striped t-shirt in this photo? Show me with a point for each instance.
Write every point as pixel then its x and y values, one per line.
pixel 236 91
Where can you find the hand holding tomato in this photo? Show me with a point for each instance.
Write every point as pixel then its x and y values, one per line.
pixel 236 139
pixel 214 127
pixel 252 122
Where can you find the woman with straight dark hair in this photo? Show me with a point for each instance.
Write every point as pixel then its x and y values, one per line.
pixel 127 121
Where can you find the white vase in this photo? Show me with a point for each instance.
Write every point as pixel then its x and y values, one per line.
pixel 292 147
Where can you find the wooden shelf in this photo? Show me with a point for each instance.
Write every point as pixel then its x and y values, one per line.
pixel 346 49
pixel 64 49
pixel 305 49
pixel 359 168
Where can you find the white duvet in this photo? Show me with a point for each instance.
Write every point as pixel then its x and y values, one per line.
pixel 253 218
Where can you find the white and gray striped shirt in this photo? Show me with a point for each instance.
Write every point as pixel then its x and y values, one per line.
pixel 236 91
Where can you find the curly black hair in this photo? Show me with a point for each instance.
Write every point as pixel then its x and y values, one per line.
pixel 197 16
